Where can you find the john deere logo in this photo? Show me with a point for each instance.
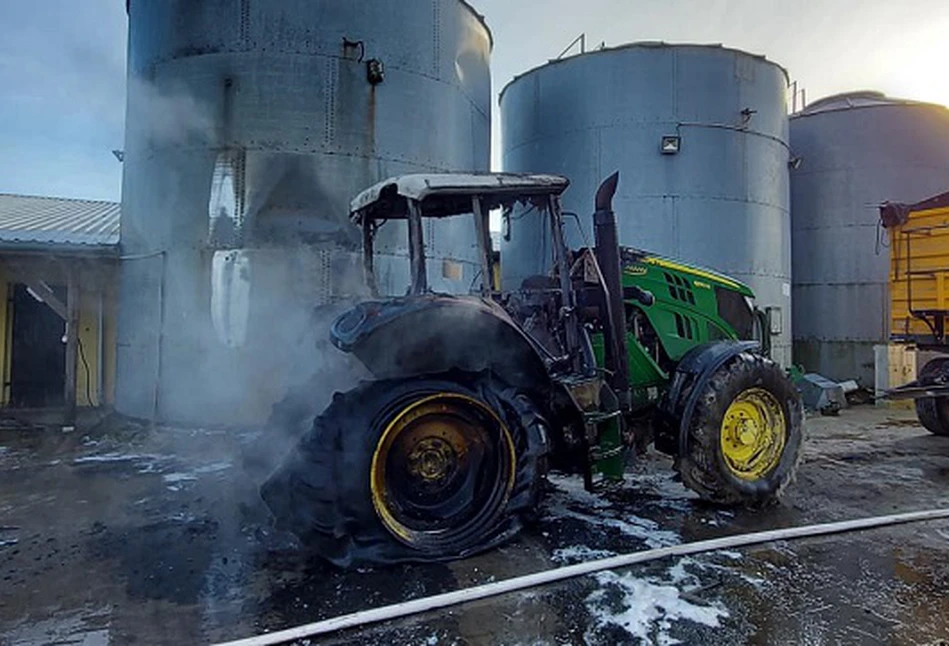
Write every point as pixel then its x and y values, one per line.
pixel 636 270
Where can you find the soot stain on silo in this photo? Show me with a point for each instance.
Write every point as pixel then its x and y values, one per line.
pixel 371 120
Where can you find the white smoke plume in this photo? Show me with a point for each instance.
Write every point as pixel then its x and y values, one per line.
pixel 170 115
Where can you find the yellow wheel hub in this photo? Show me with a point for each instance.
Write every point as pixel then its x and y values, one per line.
pixel 442 465
pixel 753 434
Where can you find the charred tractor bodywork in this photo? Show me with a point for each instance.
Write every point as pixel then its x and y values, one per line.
pixel 474 397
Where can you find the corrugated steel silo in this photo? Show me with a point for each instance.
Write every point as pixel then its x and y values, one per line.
pixel 856 151
pixel 721 201
pixel 250 125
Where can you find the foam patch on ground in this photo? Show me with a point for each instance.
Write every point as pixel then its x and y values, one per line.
pixel 571 487
pixel 645 608
pixel 572 501
pixel 669 493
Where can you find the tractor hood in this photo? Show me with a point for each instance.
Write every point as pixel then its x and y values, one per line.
pixel 634 258
pixel 433 333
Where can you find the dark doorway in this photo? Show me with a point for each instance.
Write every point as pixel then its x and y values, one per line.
pixel 38 354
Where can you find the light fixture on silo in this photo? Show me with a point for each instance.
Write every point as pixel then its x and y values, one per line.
pixel 375 71
pixel 670 144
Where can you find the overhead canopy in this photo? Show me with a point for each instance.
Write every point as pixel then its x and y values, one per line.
pixel 495 189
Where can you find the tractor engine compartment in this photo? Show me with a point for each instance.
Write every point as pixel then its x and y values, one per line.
pixel 537 312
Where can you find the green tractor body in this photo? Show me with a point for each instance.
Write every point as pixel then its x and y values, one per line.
pixel 474 397
pixel 692 306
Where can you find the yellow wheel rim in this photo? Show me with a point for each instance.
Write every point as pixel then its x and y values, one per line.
pixel 442 467
pixel 753 434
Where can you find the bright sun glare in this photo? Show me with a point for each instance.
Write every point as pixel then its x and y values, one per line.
pixel 915 66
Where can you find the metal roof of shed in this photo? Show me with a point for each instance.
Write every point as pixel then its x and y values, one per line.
pixel 33 222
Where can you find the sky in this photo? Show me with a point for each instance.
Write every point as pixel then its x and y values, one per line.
pixel 62 63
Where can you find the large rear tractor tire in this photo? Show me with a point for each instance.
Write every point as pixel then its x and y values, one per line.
pixel 744 438
pixel 421 469
pixel 933 413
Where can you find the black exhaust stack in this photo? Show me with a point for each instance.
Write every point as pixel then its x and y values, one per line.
pixel 613 311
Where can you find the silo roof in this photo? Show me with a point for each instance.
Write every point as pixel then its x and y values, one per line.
pixel 857 99
pixel 464 3
pixel 649 44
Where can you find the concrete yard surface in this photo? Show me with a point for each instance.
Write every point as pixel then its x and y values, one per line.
pixel 122 534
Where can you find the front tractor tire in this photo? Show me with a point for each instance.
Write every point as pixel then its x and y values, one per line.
pixel 744 437
pixel 421 469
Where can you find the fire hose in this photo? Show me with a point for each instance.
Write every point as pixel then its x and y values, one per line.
pixel 417 606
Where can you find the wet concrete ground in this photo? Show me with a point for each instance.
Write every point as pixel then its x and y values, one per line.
pixel 123 535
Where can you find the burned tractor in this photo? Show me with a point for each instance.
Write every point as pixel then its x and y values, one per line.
pixel 474 397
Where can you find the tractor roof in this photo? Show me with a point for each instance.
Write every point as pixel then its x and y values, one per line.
pixel 494 188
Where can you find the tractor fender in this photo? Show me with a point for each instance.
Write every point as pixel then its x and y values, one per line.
pixel 691 376
pixel 435 333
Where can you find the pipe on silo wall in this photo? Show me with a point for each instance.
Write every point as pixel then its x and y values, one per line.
pixel 721 201
pixel 856 150
pixel 250 125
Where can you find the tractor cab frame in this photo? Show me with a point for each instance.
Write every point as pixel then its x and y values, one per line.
pixel 593 397
pixel 414 198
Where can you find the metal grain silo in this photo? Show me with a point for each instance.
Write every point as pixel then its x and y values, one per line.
pixel 856 151
pixel 250 125
pixel 721 200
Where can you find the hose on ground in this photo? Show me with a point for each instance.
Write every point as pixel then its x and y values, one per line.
pixel 416 606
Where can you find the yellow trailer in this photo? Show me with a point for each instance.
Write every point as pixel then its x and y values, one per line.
pixel 919 300
pixel 919 273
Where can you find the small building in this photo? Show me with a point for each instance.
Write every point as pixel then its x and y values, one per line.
pixel 58 273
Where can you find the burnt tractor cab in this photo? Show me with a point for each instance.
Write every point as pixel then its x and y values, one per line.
pixel 475 396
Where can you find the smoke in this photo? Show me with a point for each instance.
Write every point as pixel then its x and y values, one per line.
pixel 168 115
pixel 232 349
pixel 238 330
pixel 244 333
pixel 265 391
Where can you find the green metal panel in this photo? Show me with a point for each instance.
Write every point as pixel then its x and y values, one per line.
pixel 686 311
pixel 685 314
pixel 645 376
